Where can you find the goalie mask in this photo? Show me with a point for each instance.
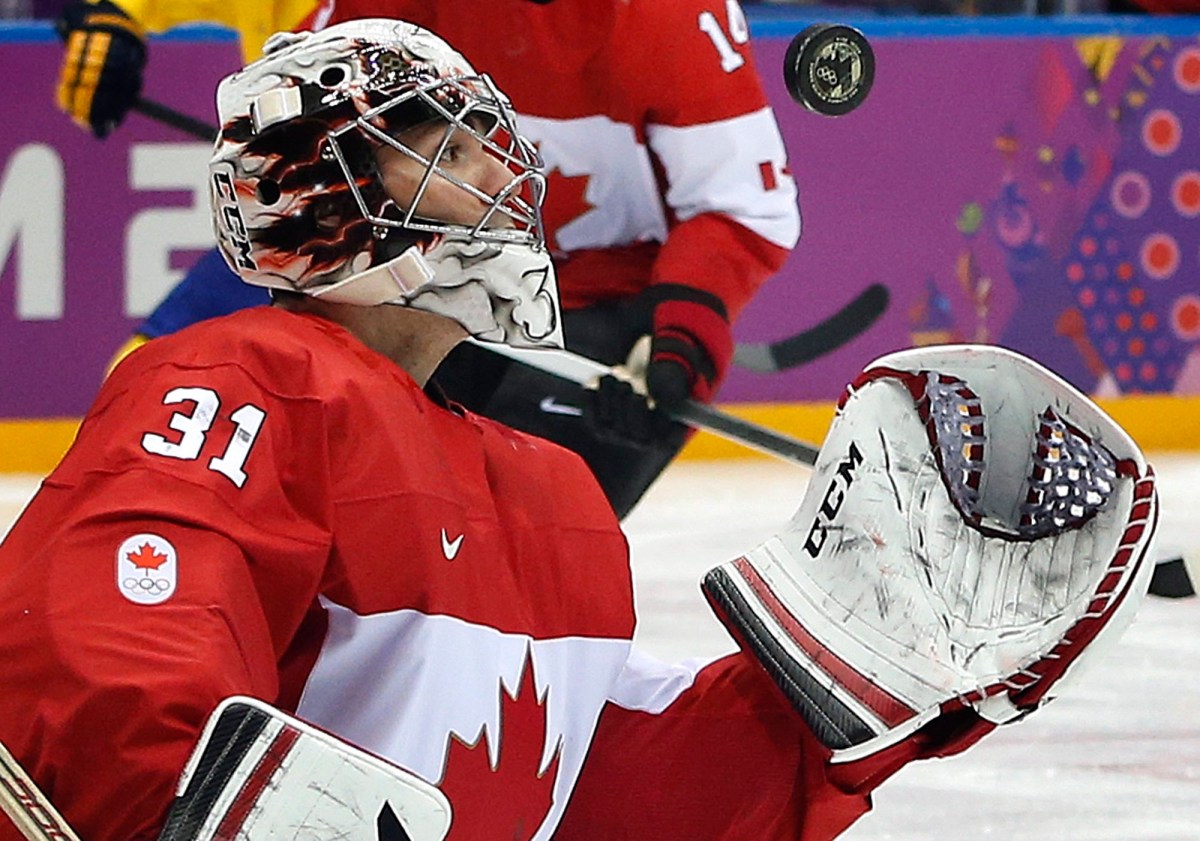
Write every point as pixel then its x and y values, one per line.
pixel 305 198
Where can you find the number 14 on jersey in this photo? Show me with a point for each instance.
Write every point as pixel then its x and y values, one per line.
pixel 739 33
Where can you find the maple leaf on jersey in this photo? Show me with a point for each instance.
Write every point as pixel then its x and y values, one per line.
pixel 566 200
pixel 511 800
pixel 146 558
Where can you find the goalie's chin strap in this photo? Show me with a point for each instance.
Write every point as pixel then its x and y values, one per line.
pixel 395 280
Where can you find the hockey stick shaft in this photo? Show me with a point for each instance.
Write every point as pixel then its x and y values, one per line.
pixel 25 804
pixel 847 323
pixel 583 371
pixel 168 116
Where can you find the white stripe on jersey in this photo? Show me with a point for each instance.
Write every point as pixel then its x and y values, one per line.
pixel 400 683
pixel 621 188
pixel 716 167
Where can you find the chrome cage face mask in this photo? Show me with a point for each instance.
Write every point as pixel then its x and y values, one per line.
pixel 311 132
pixel 468 105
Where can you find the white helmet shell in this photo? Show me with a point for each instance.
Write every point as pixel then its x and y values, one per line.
pixel 298 203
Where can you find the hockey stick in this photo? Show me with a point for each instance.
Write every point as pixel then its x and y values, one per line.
pixel 847 323
pixel 829 335
pixel 581 370
pixel 168 116
pixel 25 804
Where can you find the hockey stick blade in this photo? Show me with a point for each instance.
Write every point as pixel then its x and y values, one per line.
pixel 583 371
pixel 25 804
pixel 847 323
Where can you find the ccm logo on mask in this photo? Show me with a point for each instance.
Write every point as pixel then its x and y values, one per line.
pixel 230 216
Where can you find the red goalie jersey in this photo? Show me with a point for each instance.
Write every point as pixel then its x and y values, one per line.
pixel 665 162
pixel 260 505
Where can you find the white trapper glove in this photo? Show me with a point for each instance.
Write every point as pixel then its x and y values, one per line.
pixel 975 530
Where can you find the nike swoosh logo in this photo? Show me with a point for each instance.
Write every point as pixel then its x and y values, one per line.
pixel 552 407
pixel 450 547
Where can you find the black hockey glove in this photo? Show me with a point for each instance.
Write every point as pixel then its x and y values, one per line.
pixel 690 346
pixel 101 74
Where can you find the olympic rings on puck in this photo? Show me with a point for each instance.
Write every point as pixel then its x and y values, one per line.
pixel 829 68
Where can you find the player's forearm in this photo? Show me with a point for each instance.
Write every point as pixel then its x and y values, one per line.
pixel 726 758
pixel 714 253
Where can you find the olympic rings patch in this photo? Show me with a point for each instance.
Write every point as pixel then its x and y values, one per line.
pixel 147 569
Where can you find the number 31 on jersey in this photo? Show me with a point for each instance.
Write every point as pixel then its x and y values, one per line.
pixel 194 427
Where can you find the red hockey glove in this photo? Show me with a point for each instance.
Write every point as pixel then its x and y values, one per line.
pixel 101 74
pixel 691 345
pixel 689 349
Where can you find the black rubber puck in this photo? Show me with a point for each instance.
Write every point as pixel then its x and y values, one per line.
pixel 1171 581
pixel 829 68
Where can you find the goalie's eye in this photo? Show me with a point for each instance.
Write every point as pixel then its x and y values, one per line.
pixel 451 154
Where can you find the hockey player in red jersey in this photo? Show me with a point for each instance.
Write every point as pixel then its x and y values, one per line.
pixel 273 505
pixel 670 203
pixel 268 504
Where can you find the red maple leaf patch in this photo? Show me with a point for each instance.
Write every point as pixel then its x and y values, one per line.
pixel 146 558
pixel 511 800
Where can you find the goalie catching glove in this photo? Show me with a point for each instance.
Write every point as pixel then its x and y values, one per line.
pixel 258 774
pixel 973 530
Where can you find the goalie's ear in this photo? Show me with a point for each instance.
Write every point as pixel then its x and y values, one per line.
pixel 258 773
pixel 973 530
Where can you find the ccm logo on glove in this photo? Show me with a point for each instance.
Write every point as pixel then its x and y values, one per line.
pixel 832 503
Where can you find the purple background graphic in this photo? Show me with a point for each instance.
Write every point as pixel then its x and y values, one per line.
pixel 975 182
pixel 53 368
pixel 964 183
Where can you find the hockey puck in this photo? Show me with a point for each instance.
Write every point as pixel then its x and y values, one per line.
pixel 1170 580
pixel 829 68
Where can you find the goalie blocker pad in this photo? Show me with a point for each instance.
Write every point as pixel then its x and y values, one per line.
pixel 973 531
pixel 258 774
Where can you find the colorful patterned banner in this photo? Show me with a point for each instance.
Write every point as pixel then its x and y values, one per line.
pixel 1036 192
pixel 1033 190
